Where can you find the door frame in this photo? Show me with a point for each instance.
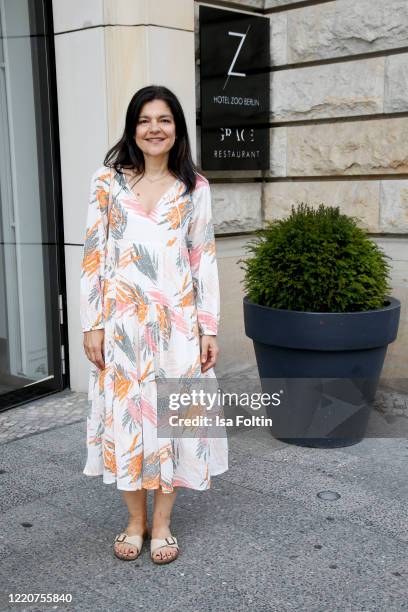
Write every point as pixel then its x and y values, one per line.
pixel 44 75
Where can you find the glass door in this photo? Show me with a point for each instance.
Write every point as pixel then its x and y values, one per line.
pixel 32 305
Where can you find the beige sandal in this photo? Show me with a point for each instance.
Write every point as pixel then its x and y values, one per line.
pixel 135 540
pixel 157 543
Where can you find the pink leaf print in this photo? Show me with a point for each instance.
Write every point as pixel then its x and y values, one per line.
pixel 148 411
pixel 159 297
pixel 179 321
pixel 208 321
pixel 149 339
pixel 134 410
pixel 195 256
pixel 201 181
pixel 136 207
pixel 181 482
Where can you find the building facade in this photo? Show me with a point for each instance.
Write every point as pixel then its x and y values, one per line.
pixel 338 133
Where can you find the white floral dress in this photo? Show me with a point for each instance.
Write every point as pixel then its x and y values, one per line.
pixel 152 285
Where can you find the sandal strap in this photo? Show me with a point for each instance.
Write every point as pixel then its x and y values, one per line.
pixel 157 543
pixel 135 540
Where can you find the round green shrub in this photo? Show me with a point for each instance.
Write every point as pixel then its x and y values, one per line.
pixel 315 260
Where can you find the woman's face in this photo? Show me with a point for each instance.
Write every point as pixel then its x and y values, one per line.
pixel 155 128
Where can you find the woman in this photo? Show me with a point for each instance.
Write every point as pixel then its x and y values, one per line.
pixel 149 310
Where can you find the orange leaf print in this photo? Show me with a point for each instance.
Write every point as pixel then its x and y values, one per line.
pixel 103 197
pixel 98 320
pixel 146 371
pixel 164 323
pixel 101 379
pixel 91 260
pixel 185 281
pixel 188 299
pixel 117 218
pixel 152 458
pixel 173 218
pixel 109 457
pixel 128 257
pixel 183 207
pixel 167 487
pixel 165 452
pixel 135 467
pixel 141 311
pixel 108 419
pixel 151 483
pixel 133 445
pixel 94 440
pixel 128 298
pixel 189 373
pixel 122 384
pixel 108 308
pixel 210 248
pixel 105 176
pixel 106 286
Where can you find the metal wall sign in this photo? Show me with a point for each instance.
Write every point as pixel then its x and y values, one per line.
pixel 234 84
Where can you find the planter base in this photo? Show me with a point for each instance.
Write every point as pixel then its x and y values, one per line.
pixel 321 443
pixel 325 413
pixel 325 367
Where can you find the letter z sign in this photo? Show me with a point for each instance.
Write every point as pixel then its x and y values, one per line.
pixel 230 73
pixel 234 90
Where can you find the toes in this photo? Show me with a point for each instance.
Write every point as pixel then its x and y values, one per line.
pixel 124 550
pixel 163 555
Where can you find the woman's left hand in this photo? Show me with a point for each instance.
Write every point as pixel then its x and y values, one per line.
pixel 209 352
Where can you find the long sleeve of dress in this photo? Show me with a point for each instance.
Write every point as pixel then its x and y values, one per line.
pixel 93 259
pixel 203 262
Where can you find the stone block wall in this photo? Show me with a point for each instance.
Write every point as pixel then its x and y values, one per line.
pixel 339 133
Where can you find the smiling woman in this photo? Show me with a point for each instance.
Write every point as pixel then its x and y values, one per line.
pixel 150 313
pixel 155 135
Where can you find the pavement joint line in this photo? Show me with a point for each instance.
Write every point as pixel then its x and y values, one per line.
pixel 40 495
pixel 302 505
pixel 343 518
pixel 74 514
pixel 189 563
pixel 40 431
pixel 225 480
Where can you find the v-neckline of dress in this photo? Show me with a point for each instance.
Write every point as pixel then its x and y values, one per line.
pixel 148 213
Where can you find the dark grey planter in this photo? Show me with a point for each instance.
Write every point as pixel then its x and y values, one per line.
pixel 327 364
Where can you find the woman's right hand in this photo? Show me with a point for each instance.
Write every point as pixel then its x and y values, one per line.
pixel 93 346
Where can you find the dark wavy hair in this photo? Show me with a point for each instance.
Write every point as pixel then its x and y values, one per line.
pixel 126 153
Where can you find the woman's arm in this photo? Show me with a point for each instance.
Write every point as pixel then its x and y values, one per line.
pixel 93 259
pixel 203 262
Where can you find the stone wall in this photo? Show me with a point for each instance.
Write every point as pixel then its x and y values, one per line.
pixel 339 132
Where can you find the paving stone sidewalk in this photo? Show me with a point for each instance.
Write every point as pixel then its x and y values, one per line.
pixel 259 539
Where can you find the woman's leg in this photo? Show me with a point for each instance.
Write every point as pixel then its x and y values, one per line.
pixel 137 521
pixel 163 505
